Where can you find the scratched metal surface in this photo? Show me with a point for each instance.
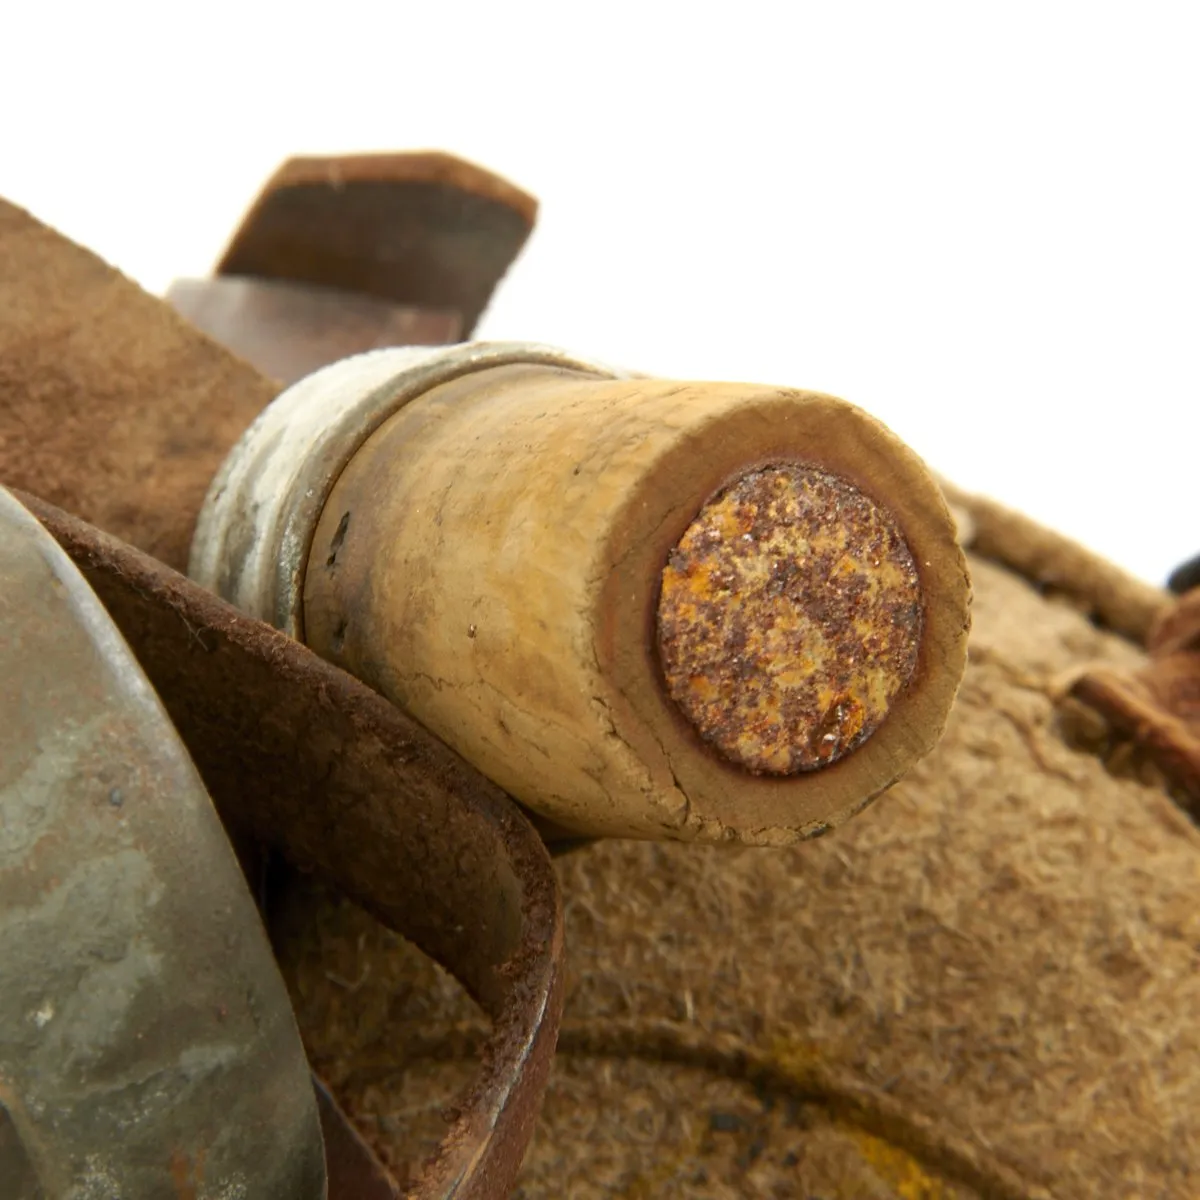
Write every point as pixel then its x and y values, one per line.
pixel 147 1047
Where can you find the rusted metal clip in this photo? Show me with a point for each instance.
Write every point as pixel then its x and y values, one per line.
pixel 303 757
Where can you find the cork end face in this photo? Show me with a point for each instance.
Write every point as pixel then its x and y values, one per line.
pixel 789 619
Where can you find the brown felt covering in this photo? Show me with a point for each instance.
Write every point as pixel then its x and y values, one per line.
pixel 985 986
pixel 101 386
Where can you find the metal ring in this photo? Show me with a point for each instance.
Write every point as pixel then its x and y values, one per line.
pixel 253 536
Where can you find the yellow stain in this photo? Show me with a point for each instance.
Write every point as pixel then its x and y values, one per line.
pixel 899 1169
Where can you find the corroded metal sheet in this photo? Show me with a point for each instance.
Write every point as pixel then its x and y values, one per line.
pixel 789 619
pixel 147 1047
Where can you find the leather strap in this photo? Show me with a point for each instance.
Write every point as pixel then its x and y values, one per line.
pixel 352 1170
pixel 309 760
pixel 424 229
pixel 112 405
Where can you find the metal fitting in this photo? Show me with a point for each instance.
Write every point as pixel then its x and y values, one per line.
pixel 254 533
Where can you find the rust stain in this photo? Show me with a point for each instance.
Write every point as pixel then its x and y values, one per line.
pixel 790 618
pixel 185 1187
pixel 187 1174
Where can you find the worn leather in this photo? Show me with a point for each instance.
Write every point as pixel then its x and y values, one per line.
pixel 311 761
pixel 426 229
pixel 116 408
pixel 353 1170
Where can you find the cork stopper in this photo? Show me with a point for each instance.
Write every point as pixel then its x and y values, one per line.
pixel 644 608
pixel 790 618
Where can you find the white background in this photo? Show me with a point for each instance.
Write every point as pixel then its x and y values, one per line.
pixel 979 221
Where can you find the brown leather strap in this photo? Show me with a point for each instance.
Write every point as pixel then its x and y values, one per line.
pixel 426 229
pixel 308 759
pixel 353 1171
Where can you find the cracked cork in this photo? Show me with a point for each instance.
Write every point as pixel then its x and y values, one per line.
pixel 789 619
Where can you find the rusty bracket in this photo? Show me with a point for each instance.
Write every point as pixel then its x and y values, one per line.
pixel 304 757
